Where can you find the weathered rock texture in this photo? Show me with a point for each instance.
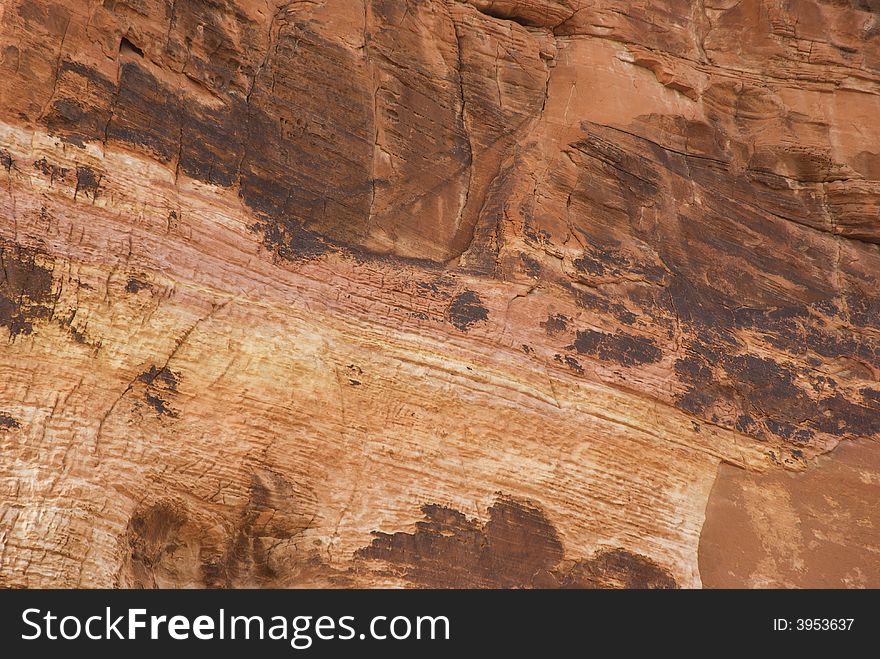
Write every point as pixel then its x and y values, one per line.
pixel 440 293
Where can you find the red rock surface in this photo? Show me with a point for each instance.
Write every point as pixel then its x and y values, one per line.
pixel 439 293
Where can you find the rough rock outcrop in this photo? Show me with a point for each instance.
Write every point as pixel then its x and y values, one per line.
pixel 439 293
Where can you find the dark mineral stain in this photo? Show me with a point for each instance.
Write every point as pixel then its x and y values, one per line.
pixel 160 405
pixel 594 302
pixel 78 335
pixel 160 376
pixel 6 160
pixel 864 310
pixel 574 364
pixel 744 423
pixel 625 349
pixel 589 264
pixel 8 422
pixel 556 324
pixel 290 240
pixel 54 172
pixel 788 431
pixel 160 381
pixel 601 259
pixel 450 550
pixel 466 310
pixel 301 171
pixel 152 533
pixel 517 547
pixel 769 396
pixel 276 511
pixel 134 285
pixel 87 182
pixel 25 290
pixel 871 396
pixel 531 266
pixel 538 237
pixel 619 569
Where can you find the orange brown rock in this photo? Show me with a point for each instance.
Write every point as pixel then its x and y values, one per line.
pixel 439 293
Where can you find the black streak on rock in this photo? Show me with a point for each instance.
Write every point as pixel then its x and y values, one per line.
pixel 54 172
pixel 135 285
pixel 160 405
pixel 518 547
pixel 87 182
pixel 8 422
pixel 160 376
pixel 625 349
pixel 466 310
pixel 556 324
pixel 160 382
pixel 25 290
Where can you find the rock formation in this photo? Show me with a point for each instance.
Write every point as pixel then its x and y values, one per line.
pixel 495 293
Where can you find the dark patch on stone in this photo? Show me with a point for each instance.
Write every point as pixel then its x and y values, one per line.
pixel 134 285
pixel 556 324
pixel 450 550
pixel 518 547
pixel 527 349
pixel 439 288
pixel 703 390
pixel 299 174
pixel 531 266
pixel 864 310
pixel 88 182
pixel 54 172
pixel 744 423
pixel 589 264
pixel 537 237
pixel 769 396
pixel 602 259
pixel 574 364
pixel 839 416
pixel 762 378
pixel 152 533
pixel 163 376
pixel 25 290
pixel 160 382
pixel 871 396
pixel 788 431
pixel 276 511
pixel 8 422
pixel 160 405
pixel 78 335
pixel 6 160
pixel 361 255
pixel 625 349
pixel 618 569
pixel 466 309
pixel 290 240
pixel 593 302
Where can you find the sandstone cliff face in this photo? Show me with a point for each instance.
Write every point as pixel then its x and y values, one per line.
pixel 439 293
